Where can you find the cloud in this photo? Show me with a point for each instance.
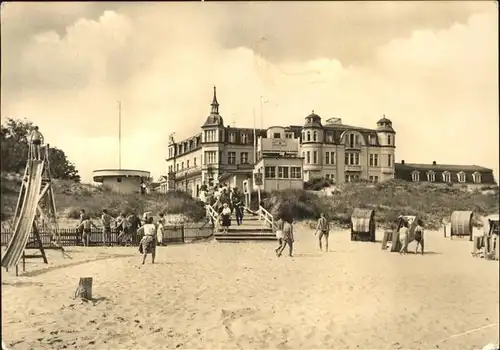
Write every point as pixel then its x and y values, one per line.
pixel 433 75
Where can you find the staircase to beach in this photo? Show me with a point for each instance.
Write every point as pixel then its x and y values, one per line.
pixel 256 226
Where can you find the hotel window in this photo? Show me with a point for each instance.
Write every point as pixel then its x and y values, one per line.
pixel 431 176
pixel 446 176
pixel 352 159
pixel 331 177
pixel 283 172
pixel 232 137
pixel 352 141
pixel 276 135
pixel 244 158
pixel 210 157
pixel 308 157
pixel 210 135
pixel 329 137
pixel 415 176
pixel 187 164
pixel 178 166
pixel 327 158
pixel 374 160
pixel 308 136
pixel 315 157
pixel 303 135
pixel 477 177
pixel 389 160
pixel 389 139
pixel 182 165
pixel 231 157
pixel 244 138
pixel 295 172
pixel 289 135
pixel 315 136
pixel 270 172
pixel 461 176
pixel 374 179
pixel 194 161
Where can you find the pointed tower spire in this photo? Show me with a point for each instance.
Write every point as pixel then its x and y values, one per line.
pixel 215 104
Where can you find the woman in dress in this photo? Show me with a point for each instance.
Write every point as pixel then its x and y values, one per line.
pixel 148 241
pixel 279 233
pixel 226 217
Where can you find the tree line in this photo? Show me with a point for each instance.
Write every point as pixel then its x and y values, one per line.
pixel 14 135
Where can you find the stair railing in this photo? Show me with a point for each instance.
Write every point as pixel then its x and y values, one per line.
pixel 214 215
pixel 267 216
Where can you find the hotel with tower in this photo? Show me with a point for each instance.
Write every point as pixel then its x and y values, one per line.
pixel 285 156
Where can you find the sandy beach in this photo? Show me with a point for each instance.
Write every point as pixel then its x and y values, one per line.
pixel 222 295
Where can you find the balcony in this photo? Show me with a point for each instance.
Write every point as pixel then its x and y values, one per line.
pixel 353 168
pixel 191 171
pixel 352 147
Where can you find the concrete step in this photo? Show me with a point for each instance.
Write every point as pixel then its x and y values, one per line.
pixel 244 238
pixel 252 228
pixel 245 233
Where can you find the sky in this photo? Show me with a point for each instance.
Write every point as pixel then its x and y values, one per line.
pixel 430 67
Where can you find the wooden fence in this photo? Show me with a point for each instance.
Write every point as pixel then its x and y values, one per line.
pixel 71 237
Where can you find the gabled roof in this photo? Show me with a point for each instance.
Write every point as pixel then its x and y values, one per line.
pixel 444 167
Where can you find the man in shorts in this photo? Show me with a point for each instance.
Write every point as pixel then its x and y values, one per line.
pixel 36 139
pixel 106 220
pixel 323 227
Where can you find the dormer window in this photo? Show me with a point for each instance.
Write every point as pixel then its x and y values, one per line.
pixel 315 136
pixel 431 176
pixel 446 176
pixel 329 137
pixel 244 138
pixel 232 137
pixel 461 176
pixel 415 176
pixel 308 136
pixel 476 177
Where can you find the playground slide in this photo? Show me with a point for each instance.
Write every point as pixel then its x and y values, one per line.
pixel 24 224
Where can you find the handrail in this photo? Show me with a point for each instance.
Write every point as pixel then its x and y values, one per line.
pixel 214 215
pixel 267 216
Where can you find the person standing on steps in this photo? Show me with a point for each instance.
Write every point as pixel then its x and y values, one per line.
pixel 148 241
pixel 323 227
pixel 288 238
pixel 36 140
pixel 226 217
pixel 238 206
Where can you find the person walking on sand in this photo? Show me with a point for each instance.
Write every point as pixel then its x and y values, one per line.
pixel 419 236
pixel 226 217
pixel 106 221
pixel 279 233
pixel 288 238
pixel 403 237
pixel 148 241
pixel 323 227
pixel 36 140
pixel 134 223
pixel 86 226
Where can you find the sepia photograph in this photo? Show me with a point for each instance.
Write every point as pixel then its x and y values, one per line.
pixel 250 175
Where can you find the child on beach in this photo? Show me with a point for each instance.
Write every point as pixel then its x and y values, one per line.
pixel 148 241
pixel 86 226
pixel 419 236
pixel 226 217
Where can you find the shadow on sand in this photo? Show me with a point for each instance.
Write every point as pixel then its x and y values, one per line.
pixel 76 263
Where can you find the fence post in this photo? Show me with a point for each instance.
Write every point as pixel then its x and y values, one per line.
pixel 183 234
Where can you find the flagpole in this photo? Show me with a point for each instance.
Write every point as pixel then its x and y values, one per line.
pixel 119 135
pixel 261 113
pixel 254 140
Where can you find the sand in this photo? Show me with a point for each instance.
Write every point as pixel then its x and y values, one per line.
pixel 223 295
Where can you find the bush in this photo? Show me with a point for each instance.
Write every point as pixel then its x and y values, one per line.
pixel 71 197
pixel 389 199
pixel 317 184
